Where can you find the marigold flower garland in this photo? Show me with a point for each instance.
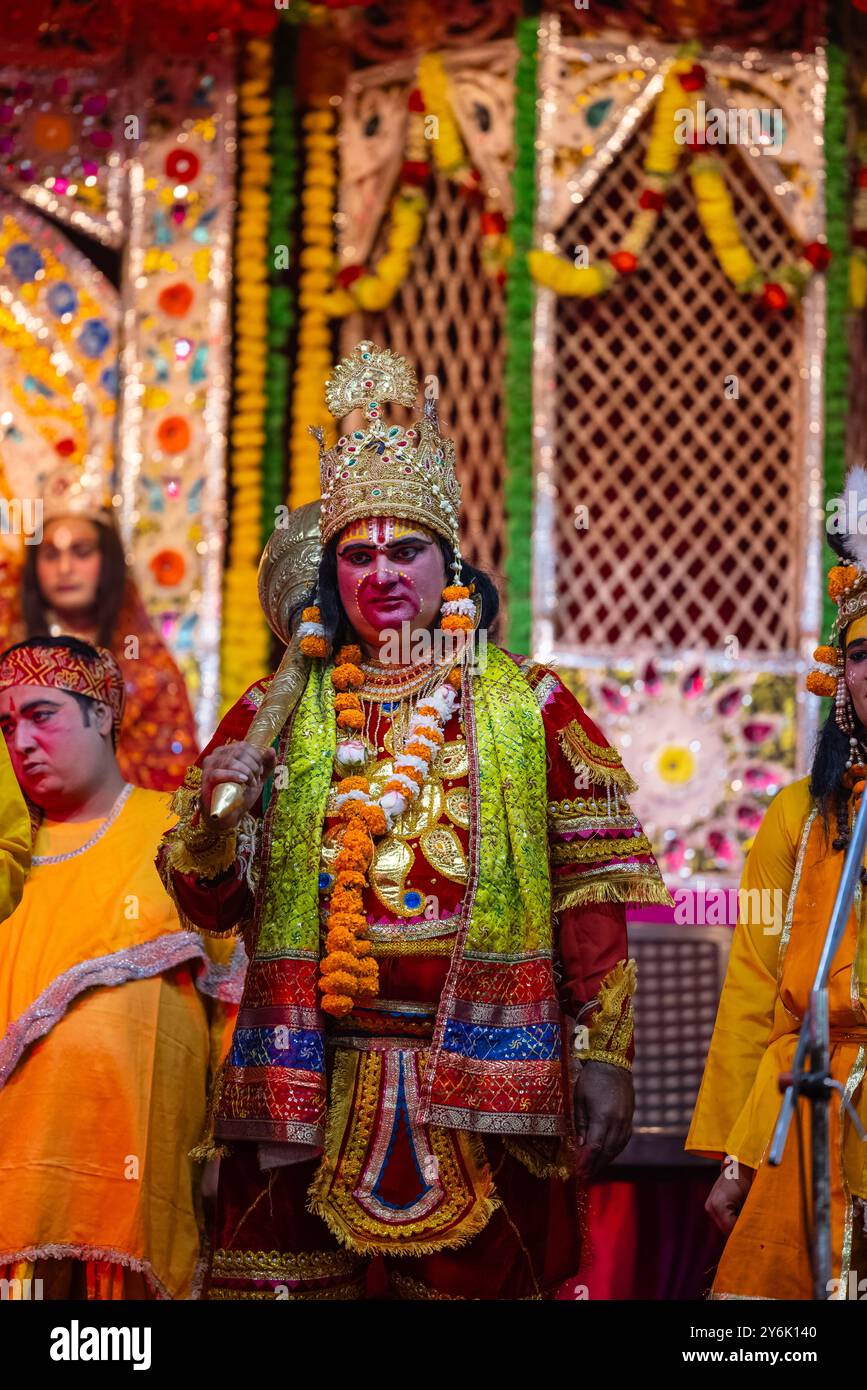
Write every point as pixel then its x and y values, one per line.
pixel 660 162
pixel 244 632
pixel 359 287
pixel 858 258
pixel 313 361
pixel 348 971
pixel 684 83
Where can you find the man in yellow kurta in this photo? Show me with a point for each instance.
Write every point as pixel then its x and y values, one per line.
pixel 787 895
pixel 112 1018
pixel 14 837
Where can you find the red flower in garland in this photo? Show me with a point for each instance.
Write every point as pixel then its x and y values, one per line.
pixel 862 176
pixel 624 262
pixel 651 200
pixel 694 80
pixel 818 254
pixel 348 275
pixel 493 223
pixel 415 100
pixel 859 237
pixel 414 172
pixel 774 296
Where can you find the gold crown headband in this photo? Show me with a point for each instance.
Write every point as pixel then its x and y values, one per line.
pixel 382 469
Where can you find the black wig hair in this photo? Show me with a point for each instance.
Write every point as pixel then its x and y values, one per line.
pixel 832 745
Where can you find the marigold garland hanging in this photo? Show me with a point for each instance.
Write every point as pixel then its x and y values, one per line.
pixel 348 971
pixel 858 257
pixel 432 130
pixel 683 86
pixel 313 361
pixel 244 632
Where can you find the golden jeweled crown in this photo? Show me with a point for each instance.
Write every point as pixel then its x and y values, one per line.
pixel 385 470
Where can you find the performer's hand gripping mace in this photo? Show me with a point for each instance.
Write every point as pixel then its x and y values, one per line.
pixel 283 694
pixel 287 572
pixel 815 1041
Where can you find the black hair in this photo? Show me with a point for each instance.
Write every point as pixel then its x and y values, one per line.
pixel 109 592
pixel 337 626
pixel 78 648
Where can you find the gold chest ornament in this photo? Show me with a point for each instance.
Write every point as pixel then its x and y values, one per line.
pixel 426 827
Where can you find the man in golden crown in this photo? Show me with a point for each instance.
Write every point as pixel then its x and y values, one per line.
pixel 431 869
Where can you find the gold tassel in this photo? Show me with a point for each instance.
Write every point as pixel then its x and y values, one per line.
pixel 207 1146
pixel 196 848
pixel 603 761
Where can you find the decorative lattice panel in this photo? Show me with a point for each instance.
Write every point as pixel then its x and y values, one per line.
pixel 447 319
pixel 671 1041
pixel 694 499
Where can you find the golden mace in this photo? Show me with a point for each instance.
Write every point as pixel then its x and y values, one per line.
pixel 287 574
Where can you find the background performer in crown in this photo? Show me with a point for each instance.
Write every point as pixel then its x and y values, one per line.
pixel 430 874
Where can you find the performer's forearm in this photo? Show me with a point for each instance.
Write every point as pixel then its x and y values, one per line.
pixel 214 904
pixel 593 950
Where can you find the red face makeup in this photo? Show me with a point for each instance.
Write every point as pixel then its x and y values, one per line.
pixel 856 676
pixel 50 746
pixel 389 572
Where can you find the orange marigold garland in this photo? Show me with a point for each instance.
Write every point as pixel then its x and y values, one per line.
pixel 348 971
pixel 311 633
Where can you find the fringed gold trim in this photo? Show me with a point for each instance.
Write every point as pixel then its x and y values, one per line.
pixel 600 758
pixel 207 1147
pixel 340 1100
pixel 201 852
pixel 191 846
pixel 531 1152
pixel 627 889
pixel 611 1028
pixel 470 1226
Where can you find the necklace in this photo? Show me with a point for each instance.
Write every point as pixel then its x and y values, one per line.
pixel 39 859
pixel 393 682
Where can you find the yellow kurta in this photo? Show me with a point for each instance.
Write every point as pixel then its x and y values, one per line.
pixel 774 955
pixel 106 1047
pixel 14 836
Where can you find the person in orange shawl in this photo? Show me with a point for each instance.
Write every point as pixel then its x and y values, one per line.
pixel 76 582
pixel 14 837
pixel 788 890
pixel 112 1018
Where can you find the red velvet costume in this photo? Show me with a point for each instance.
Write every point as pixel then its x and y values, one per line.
pixel 455 1215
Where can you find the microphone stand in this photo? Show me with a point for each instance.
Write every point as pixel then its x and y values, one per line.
pixel 816 1084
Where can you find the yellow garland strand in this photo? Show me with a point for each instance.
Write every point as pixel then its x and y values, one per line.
pixel 715 209
pixel 660 161
pixel 244 634
pixel 448 148
pixel 313 363
pixel 716 213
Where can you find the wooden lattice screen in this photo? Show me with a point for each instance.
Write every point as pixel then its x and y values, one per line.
pixel 695 500
pixel 447 319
